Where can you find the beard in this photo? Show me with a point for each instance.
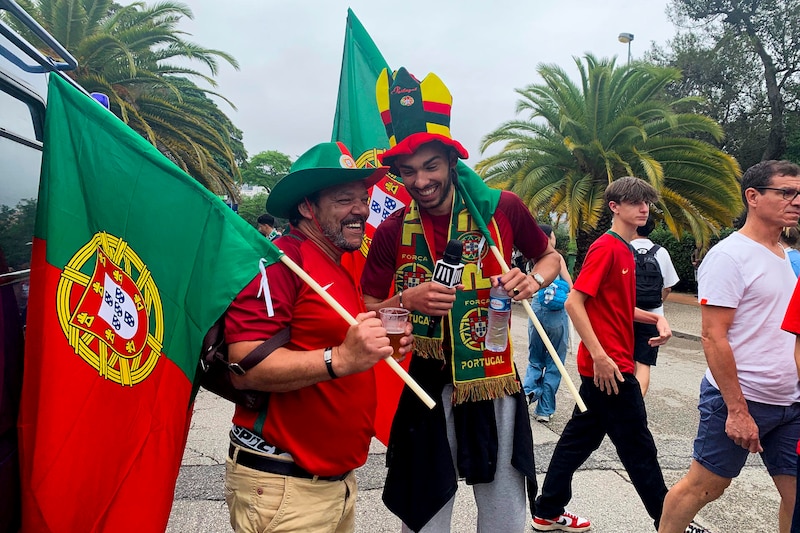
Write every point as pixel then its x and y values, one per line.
pixel 335 234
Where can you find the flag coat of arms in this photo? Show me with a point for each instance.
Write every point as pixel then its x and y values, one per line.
pixel 133 261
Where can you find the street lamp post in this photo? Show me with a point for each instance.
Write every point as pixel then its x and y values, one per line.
pixel 626 38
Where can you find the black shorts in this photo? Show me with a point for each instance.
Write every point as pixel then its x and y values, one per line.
pixel 643 352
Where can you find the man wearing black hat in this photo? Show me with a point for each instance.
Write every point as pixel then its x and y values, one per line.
pixel 290 464
pixel 481 429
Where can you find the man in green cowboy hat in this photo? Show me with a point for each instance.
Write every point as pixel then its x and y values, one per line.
pixel 318 423
pixel 481 429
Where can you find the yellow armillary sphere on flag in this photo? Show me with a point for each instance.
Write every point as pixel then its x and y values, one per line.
pixel 113 318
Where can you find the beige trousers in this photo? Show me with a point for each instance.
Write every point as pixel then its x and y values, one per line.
pixel 260 502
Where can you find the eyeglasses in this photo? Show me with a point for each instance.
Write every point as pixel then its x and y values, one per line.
pixel 788 194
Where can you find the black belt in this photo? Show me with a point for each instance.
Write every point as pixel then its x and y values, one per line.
pixel 275 466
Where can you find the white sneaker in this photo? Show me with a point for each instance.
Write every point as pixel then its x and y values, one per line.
pixel 543 418
pixel 694 527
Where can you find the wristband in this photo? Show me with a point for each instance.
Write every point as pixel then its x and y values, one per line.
pixel 328 356
pixel 400 296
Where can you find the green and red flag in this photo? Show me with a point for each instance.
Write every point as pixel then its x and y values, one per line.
pixel 357 123
pixel 133 261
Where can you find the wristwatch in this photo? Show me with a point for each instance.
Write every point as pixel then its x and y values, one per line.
pixel 538 278
pixel 327 355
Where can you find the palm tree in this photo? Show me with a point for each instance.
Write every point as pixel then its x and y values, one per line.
pixel 618 121
pixel 135 54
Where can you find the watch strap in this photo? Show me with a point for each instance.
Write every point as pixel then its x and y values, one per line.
pixel 327 355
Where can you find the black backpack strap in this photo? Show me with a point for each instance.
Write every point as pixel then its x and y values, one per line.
pixel 260 352
pixel 652 251
pixel 212 342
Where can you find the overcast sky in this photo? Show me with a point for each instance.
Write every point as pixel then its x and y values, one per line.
pixel 290 54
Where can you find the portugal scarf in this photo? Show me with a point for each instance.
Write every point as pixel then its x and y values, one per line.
pixel 478 374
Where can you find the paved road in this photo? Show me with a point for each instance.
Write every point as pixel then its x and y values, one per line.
pixel 602 491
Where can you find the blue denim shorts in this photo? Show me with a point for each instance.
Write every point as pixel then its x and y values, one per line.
pixel 779 430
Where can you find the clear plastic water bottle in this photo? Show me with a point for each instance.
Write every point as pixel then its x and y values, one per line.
pixel 497 326
pixel 549 294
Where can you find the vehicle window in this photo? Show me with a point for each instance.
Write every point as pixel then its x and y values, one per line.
pixel 17 116
pixel 20 162
pixel 19 179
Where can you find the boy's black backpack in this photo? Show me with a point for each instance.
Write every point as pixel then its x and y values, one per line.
pixel 649 280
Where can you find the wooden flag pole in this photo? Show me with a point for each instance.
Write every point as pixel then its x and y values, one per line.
pixel 545 339
pixel 394 365
pixel 476 216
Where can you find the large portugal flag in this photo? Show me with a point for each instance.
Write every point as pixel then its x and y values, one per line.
pixel 358 124
pixel 133 261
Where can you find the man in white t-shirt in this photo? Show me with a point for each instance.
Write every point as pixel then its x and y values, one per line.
pixel 643 354
pixel 749 395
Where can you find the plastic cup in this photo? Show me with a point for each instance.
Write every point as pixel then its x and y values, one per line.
pixel 394 319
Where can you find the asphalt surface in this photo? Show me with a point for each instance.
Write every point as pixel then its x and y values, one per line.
pixel 601 489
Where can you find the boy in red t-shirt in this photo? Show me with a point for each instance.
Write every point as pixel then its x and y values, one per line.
pixel 602 308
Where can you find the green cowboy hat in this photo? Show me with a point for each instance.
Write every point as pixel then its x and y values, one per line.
pixel 323 166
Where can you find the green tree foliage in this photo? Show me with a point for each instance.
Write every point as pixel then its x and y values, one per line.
pixel 721 78
pixel 680 251
pixel 793 138
pixel 137 55
pixel 16 230
pixel 266 168
pixel 616 121
pixel 250 207
pixel 756 43
pixel 232 136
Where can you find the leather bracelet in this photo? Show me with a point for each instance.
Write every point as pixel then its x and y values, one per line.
pixel 328 356
pixel 400 297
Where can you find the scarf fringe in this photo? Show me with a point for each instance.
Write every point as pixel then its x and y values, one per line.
pixel 485 389
pixel 468 362
pixel 428 348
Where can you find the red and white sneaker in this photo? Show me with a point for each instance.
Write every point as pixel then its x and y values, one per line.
pixel 694 527
pixel 565 522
